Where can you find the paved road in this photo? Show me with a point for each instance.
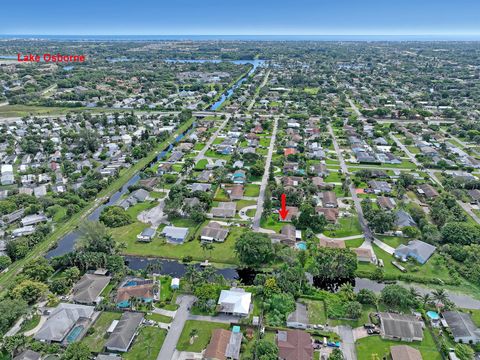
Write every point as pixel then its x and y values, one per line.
pixel 181 316
pixel 384 247
pixel 266 174
pixel 356 201
pixel 265 79
pixel 348 342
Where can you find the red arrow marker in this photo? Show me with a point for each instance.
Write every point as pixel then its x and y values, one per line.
pixel 283 211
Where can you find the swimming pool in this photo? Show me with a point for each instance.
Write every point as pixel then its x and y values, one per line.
pixel 433 315
pixel 73 335
pixel 131 283
pixel 301 245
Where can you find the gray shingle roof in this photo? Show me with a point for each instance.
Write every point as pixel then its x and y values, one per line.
pixel 461 324
pixel 122 336
pixel 89 287
pixel 401 326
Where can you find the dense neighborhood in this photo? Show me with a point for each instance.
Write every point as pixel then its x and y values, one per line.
pixel 164 202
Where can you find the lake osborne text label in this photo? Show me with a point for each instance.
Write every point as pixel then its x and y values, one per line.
pixel 50 58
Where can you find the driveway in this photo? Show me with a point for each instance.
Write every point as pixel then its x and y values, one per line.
pixel 170 343
pixel 222 318
pixel 384 247
pixel 348 342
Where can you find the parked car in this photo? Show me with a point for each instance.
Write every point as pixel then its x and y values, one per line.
pixel 369 326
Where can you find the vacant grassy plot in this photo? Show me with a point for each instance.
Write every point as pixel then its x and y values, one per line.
pixel 369 346
pixel 316 311
pixel 204 333
pixel 214 155
pixel 199 146
pixel 251 190
pixel 272 223
pixel 147 345
pixel 346 226
pixel 96 341
pixel 244 203
pixel 133 211
pixel 363 319
pixel 334 176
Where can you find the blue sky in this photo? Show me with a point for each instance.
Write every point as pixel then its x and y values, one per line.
pixel 240 17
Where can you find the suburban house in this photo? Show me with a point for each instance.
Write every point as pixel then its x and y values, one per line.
pixel 239 177
pixel 379 187
pixel 294 345
pixel 67 323
pixel 417 249
pixel 365 255
pixel 88 289
pixel 404 352
pixel 329 199
pixel 332 243
pixel 330 214
pixel 427 190
pixel 146 235
pixel 386 203
pixel 474 196
pixel 225 210
pixel 292 212
pixel 235 192
pixel 175 235
pixel 400 327
pixel 462 327
pixel 299 318
pixel 28 355
pixel 287 235
pixel 123 331
pixel 403 219
pixel 142 290
pixel 175 284
pixel 235 301
pixel 214 232
pixel 224 344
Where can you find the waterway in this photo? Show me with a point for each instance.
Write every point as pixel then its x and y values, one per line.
pixel 227 94
pixel 67 243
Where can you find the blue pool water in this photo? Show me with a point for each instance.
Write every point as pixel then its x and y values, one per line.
pixel 433 315
pixel 130 283
pixel 73 335
pixel 301 245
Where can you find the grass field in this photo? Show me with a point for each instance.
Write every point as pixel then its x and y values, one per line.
pixel 159 318
pixel 204 333
pixel 251 190
pixel 147 344
pixel 355 243
pixel 346 226
pixel 316 311
pixel 272 223
pixel 367 347
pixel 96 341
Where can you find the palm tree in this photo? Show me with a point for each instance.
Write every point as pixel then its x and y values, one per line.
pixel 414 293
pixel 192 335
pixel 426 299
pixel 440 296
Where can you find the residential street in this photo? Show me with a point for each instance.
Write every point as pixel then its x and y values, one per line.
pixel 266 174
pixel 181 316
pixel 348 342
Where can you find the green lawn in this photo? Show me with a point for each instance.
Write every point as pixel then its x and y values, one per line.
pixel 221 252
pixel 251 190
pixel 393 241
pixel 147 345
pixel 133 211
pixel 204 333
pixel 363 319
pixel 97 340
pixel 316 311
pixel 371 345
pixel 214 155
pixel 334 176
pixel 201 164
pixel 354 243
pixel 159 318
pixel 30 324
pixel 199 146
pixel 434 268
pixel 272 223
pixel 346 226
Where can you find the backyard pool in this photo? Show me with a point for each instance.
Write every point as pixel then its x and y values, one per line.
pixel 433 315
pixel 74 334
pixel 301 245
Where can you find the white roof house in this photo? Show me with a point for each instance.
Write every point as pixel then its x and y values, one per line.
pixel 175 234
pixel 235 301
